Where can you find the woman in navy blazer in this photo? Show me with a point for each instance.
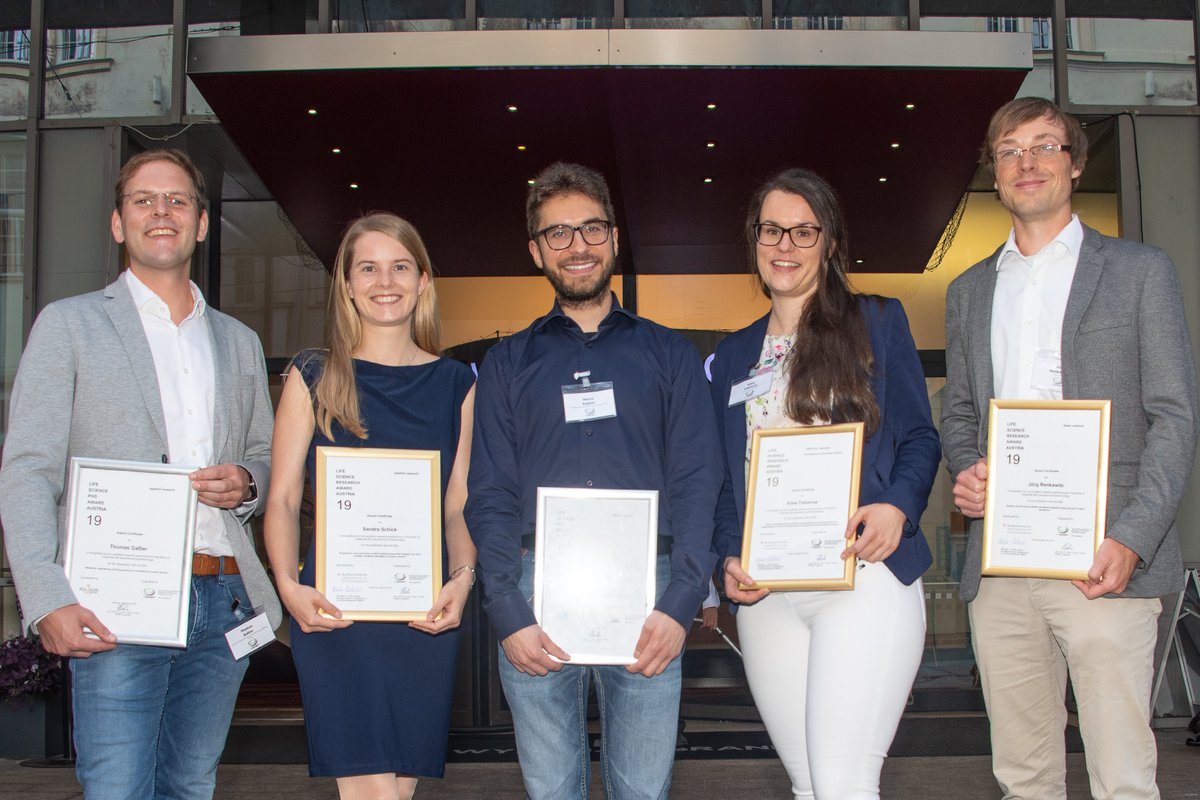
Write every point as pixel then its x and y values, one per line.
pixel 830 671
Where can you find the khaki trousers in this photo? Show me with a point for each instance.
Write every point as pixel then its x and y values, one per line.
pixel 1029 634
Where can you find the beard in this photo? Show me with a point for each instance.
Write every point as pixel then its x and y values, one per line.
pixel 583 292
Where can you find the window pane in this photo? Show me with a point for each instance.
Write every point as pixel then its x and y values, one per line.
pixel 1131 62
pixel 840 15
pixel 108 58
pixel 725 14
pixel 270 280
pixel 14 73
pixel 358 16
pixel 544 14
pixel 1031 17
pixel 12 267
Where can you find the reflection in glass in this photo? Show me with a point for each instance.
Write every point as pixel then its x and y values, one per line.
pixel 709 14
pixel 544 14
pixel 360 16
pixel 840 15
pixel 12 267
pixel 270 280
pixel 108 72
pixel 1131 62
pixel 14 73
pixel 1040 80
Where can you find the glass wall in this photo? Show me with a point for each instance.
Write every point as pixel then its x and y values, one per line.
pixel 14 62
pixel 12 264
pixel 360 16
pixel 727 14
pixel 108 59
pixel 1147 61
pixel 840 15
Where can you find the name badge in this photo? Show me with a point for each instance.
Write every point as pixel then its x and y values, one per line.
pixel 750 388
pixel 250 635
pixel 1047 371
pixel 591 402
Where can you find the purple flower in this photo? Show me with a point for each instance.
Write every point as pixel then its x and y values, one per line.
pixel 26 669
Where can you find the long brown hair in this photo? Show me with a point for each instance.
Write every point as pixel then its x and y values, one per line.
pixel 829 368
pixel 336 392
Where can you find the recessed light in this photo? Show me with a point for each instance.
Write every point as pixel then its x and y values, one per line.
pixel 531 181
pixel 511 107
pixel 858 261
pixel 895 145
pixel 883 180
pixel 354 186
pixel 336 150
pixel 711 145
pixel 708 180
pixel 910 106
pixel 521 147
pixel 312 112
pixel 711 106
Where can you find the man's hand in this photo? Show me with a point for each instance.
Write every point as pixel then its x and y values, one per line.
pixel 970 489
pixel 883 525
pixel 661 640
pixel 61 632
pixel 734 574
pixel 529 650
pixel 708 618
pixel 222 486
pixel 1111 569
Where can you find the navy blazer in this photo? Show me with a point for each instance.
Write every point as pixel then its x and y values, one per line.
pixel 899 461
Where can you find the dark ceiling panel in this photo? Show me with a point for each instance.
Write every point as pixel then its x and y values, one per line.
pixel 440 147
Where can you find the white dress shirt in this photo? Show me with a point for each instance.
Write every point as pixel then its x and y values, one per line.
pixel 1027 316
pixel 183 362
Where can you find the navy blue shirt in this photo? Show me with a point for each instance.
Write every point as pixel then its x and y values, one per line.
pixel 663 438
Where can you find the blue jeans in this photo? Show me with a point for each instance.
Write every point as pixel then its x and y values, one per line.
pixel 639 720
pixel 150 722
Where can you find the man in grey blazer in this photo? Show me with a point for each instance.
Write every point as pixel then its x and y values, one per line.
pixel 1062 312
pixel 144 371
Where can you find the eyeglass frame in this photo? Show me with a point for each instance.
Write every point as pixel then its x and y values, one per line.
pixel 1013 155
pixel 757 228
pixel 167 196
pixel 575 229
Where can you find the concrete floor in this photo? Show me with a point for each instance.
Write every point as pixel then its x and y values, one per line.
pixel 944 778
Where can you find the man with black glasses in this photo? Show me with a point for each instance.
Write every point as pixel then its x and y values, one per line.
pixel 1062 312
pixel 650 428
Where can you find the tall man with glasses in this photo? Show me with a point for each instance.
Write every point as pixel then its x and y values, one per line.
pixel 1062 312
pixel 143 370
pixel 654 431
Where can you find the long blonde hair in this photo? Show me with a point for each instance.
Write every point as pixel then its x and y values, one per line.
pixel 336 392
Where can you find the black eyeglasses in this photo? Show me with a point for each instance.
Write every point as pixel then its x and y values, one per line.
pixel 1012 155
pixel 559 237
pixel 769 235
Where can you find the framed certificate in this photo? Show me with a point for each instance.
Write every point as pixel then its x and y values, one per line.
pixel 593 584
pixel 803 489
pixel 378 541
pixel 130 533
pixel 1047 487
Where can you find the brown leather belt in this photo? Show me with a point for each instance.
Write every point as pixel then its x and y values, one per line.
pixel 204 564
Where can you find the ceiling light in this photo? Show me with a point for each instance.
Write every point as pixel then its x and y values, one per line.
pixel 336 150
pixel 511 107
pixel 354 186
pixel 521 147
pixel 858 261
pixel 910 106
pixel 312 112
pixel 711 106
pixel 895 145
pixel 708 180
pixel 883 180
pixel 711 145
pixel 530 181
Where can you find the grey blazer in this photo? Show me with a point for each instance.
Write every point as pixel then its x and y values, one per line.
pixel 1125 339
pixel 86 386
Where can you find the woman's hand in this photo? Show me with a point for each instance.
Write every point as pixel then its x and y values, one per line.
pixel 305 603
pixel 734 575
pixel 447 611
pixel 883 525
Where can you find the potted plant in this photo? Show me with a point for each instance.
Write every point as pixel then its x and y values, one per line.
pixel 29 677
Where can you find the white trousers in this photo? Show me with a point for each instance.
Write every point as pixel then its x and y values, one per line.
pixel 831 673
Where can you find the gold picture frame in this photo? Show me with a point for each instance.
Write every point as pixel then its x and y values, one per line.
pixel 798 504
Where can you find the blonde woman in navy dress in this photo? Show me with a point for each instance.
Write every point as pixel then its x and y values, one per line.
pixel 376 694
pixel 830 671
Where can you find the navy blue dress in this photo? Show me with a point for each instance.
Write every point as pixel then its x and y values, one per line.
pixel 377 694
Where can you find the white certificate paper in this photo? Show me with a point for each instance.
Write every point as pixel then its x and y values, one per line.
pixel 130 529
pixel 378 541
pixel 803 489
pixel 594 567
pixel 1047 488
